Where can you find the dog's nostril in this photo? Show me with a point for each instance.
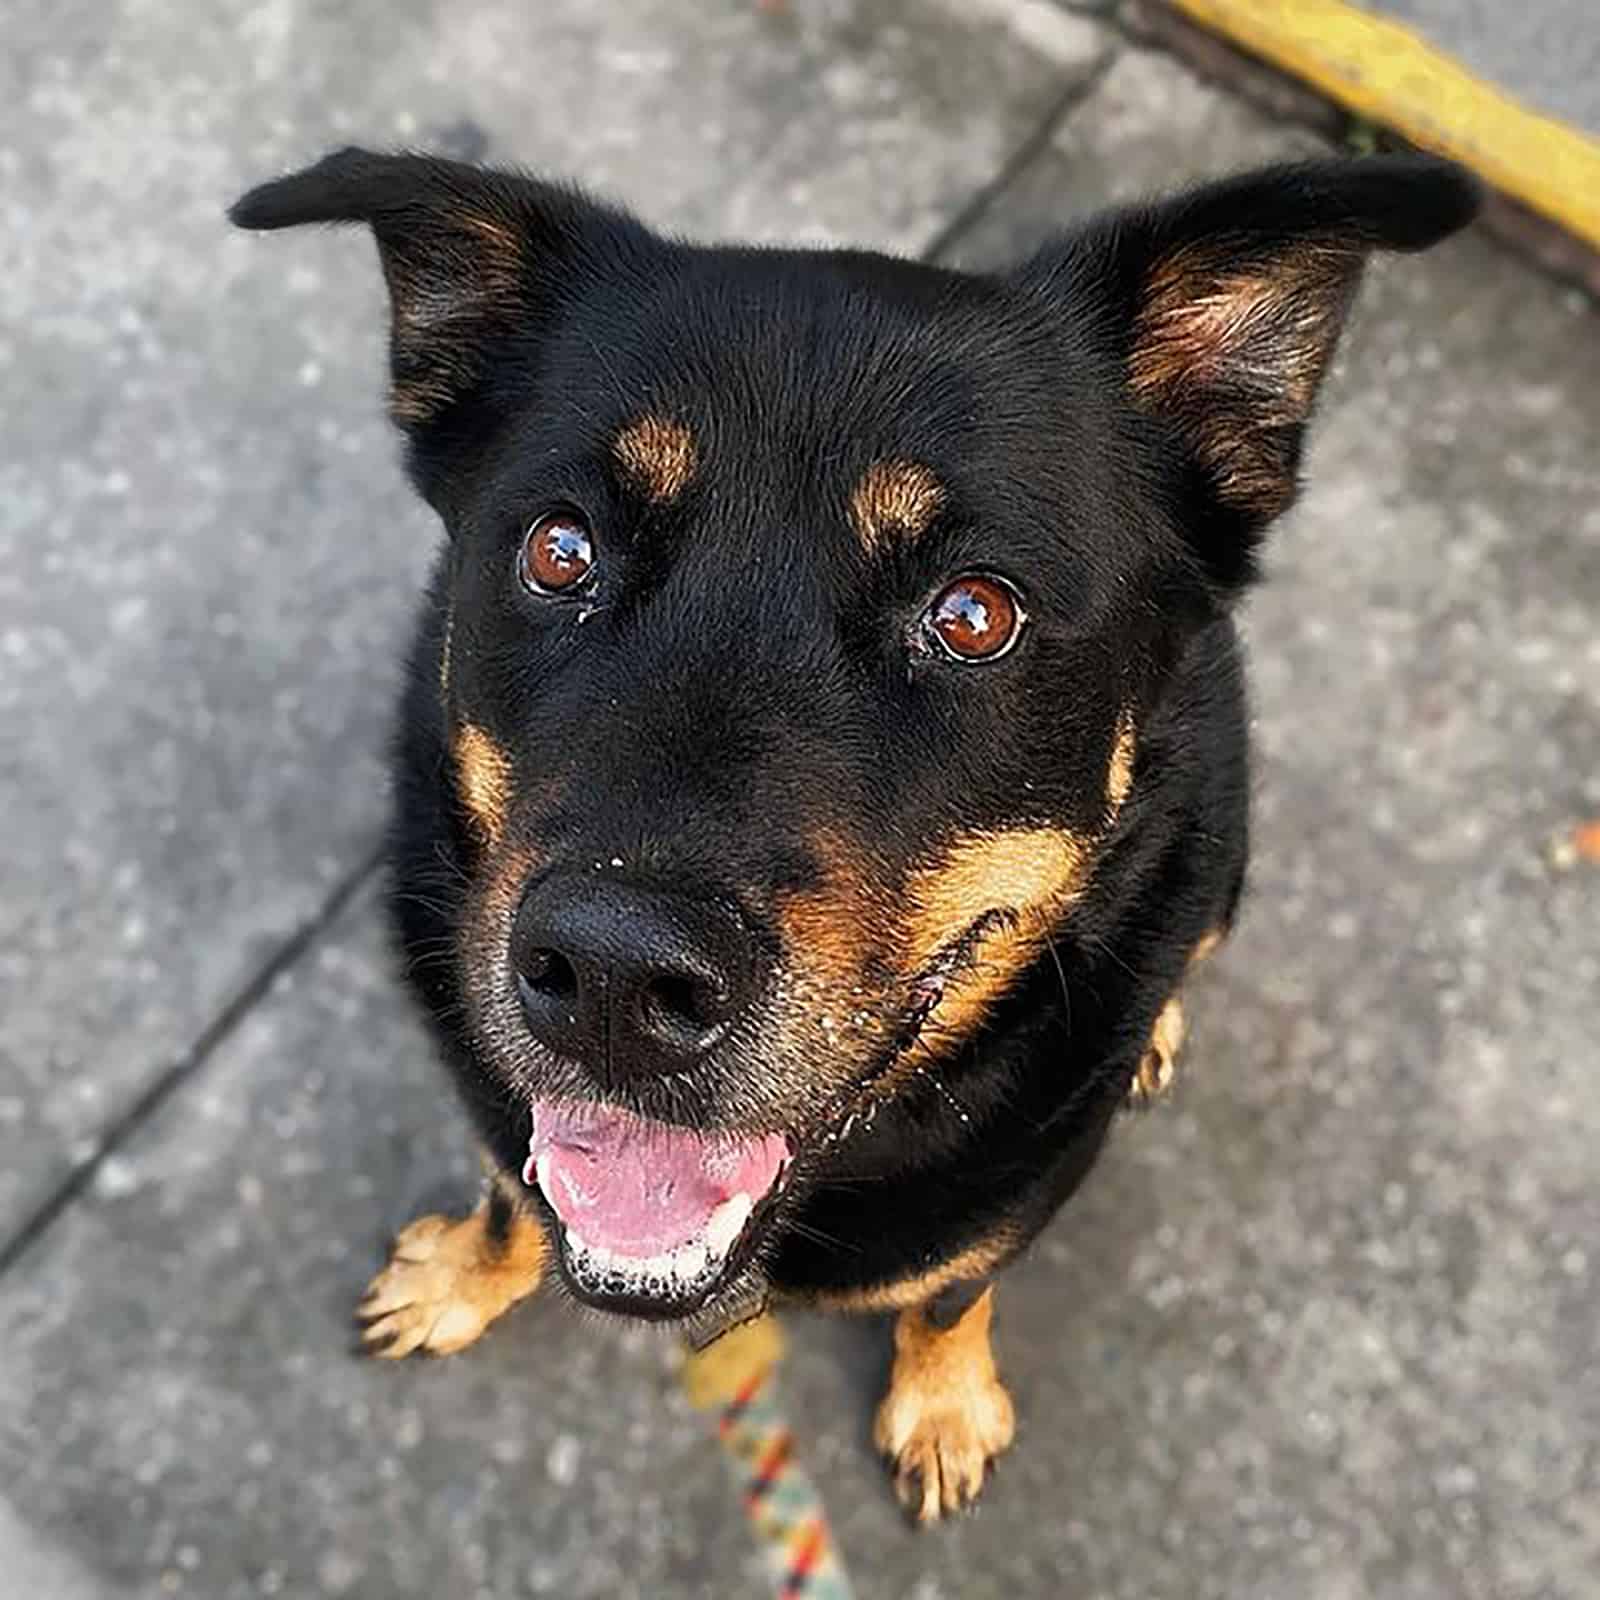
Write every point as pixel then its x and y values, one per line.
pixel 685 1007
pixel 549 973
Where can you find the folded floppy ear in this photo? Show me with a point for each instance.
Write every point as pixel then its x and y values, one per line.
pixel 470 255
pixel 1225 306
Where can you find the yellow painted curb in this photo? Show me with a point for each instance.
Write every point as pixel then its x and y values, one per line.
pixel 1395 77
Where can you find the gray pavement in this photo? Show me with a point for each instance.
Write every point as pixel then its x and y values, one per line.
pixel 208 553
pixel 1545 53
pixel 1325 1327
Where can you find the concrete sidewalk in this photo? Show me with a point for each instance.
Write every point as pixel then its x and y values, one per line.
pixel 1326 1327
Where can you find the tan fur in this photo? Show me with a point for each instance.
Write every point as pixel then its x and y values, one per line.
pixel 1032 874
pixel 946 1415
pixel 1158 1067
pixel 658 456
pixel 836 930
pixel 894 499
pixel 447 1280
pixel 831 930
pixel 1119 777
pixel 977 1261
pixel 483 779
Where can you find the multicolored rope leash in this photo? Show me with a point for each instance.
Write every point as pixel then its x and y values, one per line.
pixel 733 1380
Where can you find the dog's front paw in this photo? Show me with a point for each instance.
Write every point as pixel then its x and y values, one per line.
pixel 446 1281
pixel 946 1416
pixel 940 1445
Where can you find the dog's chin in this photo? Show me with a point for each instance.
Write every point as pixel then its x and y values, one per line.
pixel 652 1220
pixel 621 1288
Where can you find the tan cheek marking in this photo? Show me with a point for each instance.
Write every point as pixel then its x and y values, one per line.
pixel 1032 874
pixel 483 779
pixel 658 456
pixel 894 499
pixel 834 930
pixel 977 1261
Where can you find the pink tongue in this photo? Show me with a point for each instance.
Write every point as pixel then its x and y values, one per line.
pixel 641 1187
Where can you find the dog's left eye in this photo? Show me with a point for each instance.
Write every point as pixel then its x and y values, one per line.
pixel 978 617
pixel 557 553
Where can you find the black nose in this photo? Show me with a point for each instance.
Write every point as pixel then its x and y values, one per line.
pixel 627 979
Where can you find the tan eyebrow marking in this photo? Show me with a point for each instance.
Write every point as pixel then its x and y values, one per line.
pixel 483 778
pixel 658 455
pixel 894 499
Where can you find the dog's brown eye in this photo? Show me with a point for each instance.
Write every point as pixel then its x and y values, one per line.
pixel 976 618
pixel 557 553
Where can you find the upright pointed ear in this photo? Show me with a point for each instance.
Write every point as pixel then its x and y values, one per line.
pixel 470 256
pixel 1225 305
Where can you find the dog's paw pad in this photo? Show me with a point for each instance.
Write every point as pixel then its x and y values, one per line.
pixel 439 1291
pixel 941 1446
pixel 1158 1067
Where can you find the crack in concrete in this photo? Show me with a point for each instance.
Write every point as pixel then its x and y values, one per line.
pixel 189 1063
pixel 1020 159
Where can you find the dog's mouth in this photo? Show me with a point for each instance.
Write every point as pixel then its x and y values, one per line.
pixel 654 1217
pixel 657 1220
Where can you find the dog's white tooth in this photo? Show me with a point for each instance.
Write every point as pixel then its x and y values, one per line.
pixel 727 1223
pixel 689 1261
pixel 541 1169
pixel 530 1173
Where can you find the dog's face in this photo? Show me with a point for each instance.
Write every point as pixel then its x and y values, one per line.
pixel 803 610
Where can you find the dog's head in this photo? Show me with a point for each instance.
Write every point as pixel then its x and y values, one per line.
pixel 803 610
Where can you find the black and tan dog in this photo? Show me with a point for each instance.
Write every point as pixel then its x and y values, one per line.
pixel 825 746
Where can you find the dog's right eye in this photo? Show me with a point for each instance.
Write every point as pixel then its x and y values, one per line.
pixel 976 618
pixel 557 553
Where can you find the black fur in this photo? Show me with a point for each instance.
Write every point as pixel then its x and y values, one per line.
pixel 747 681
